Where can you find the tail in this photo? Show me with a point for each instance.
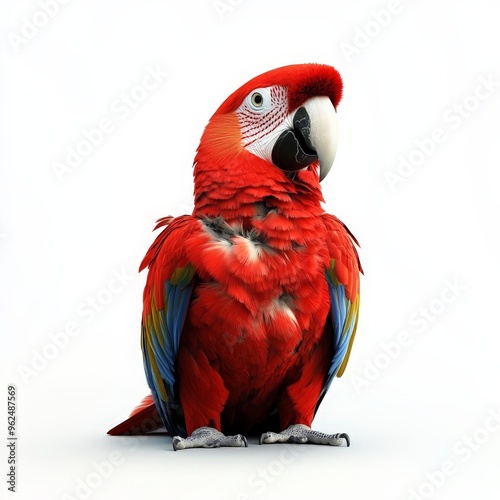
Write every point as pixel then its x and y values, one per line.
pixel 143 419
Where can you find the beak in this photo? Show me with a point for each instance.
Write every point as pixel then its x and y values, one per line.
pixel 314 136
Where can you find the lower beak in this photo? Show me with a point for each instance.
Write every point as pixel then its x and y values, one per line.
pixel 314 137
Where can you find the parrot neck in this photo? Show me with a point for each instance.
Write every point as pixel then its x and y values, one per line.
pixel 250 192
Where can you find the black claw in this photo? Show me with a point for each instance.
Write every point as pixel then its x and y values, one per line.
pixel 174 442
pixel 245 441
pixel 346 437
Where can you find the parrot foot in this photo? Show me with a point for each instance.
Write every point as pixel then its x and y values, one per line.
pixel 208 437
pixel 302 434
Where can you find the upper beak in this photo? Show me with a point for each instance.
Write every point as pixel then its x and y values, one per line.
pixel 314 136
pixel 324 132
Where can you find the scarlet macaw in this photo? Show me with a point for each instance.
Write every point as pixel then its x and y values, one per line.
pixel 251 303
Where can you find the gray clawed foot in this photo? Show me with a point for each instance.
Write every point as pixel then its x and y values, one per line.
pixel 208 437
pixel 302 434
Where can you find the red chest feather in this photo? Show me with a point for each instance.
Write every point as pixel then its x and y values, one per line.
pixel 258 310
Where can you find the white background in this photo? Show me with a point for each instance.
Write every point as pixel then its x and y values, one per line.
pixel 63 238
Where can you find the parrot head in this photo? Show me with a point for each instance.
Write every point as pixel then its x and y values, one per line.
pixel 278 129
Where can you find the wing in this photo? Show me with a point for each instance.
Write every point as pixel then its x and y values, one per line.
pixel 343 282
pixel 170 282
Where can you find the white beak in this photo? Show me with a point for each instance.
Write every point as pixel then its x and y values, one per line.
pixel 324 131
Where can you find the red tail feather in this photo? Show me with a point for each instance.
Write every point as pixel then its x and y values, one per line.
pixel 143 419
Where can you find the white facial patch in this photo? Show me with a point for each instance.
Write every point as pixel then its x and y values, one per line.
pixel 260 114
pixel 263 146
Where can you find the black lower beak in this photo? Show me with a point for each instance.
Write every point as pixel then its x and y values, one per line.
pixel 293 150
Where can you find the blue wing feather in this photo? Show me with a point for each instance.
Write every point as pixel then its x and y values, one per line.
pixel 161 333
pixel 343 318
pixel 183 306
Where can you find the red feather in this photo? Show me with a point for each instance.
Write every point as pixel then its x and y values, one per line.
pixel 143 419
pixel 302 80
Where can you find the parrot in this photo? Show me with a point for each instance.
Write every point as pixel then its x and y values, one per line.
pixel 251 303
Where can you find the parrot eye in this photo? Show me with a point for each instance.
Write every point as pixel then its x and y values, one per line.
pixel 259 100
